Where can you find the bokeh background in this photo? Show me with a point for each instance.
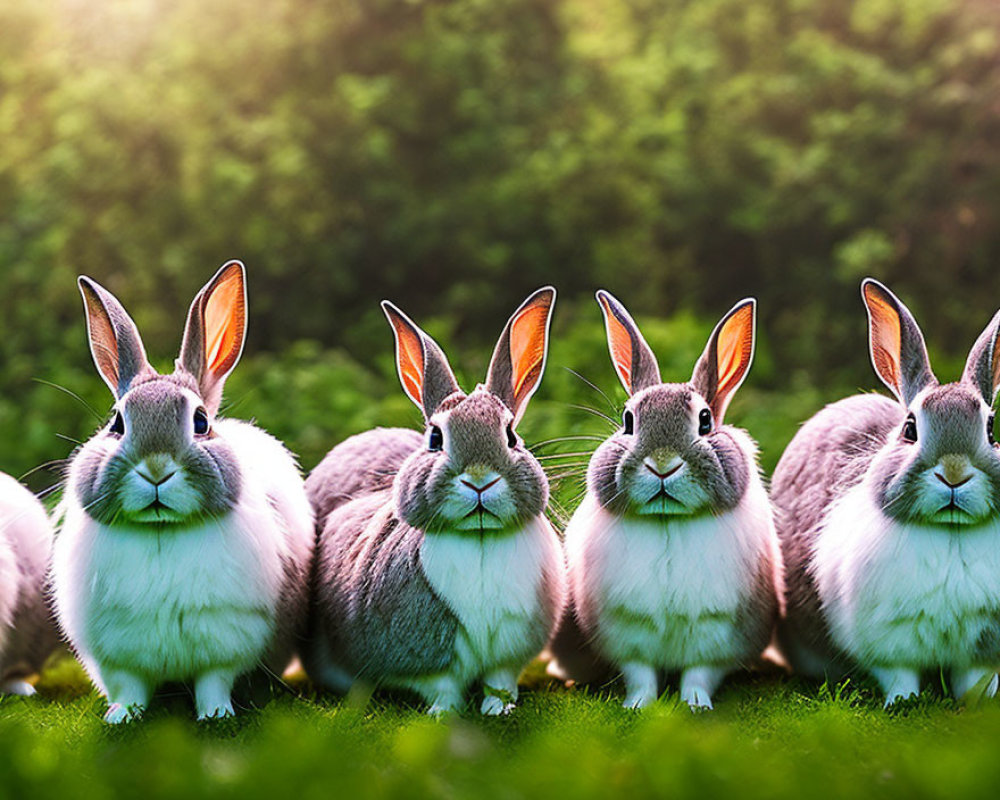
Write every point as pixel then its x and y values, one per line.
pixel 453 155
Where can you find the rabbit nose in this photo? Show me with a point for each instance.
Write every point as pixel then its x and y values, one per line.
pixel 665 471
pixel 157 468
pixel 482 487
pixel 953 471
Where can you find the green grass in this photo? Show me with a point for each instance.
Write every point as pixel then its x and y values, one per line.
pixel 769 737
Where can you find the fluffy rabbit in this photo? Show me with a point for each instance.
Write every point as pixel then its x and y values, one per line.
pixel 436 567
pixel 888 518
pixel 185 541
pixel 27 631
pixel 673 558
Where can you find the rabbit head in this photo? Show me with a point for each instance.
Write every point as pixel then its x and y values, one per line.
pixel 473 472
pixel 940 465
pixel 159 460
pixel 672 454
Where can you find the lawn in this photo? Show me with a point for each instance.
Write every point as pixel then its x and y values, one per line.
pixel 769 737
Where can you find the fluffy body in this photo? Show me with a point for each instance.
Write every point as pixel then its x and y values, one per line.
pixel 27 631
pixel 205 602
pixel 674 593
pixel 873 579
pixel 434 610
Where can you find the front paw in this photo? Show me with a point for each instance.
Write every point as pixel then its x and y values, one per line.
pixel 495 706
pixel 119 713
pixel 697 698
pixel 220 711
pixel 20 688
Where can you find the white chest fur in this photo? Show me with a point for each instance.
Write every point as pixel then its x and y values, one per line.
pixel 493 585
pixel 668 591
pixel 907 595
pixel 173 604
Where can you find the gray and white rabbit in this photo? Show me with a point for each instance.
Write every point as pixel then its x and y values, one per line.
pixel 185 540
pixel 889 523
pixel 673 559
pixel 436 567
pixel 27 630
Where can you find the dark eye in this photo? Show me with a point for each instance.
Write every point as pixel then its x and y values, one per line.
pixel 118 424
pixel 200 422
pixel 435 441
pixel 511 437
pixel 989 430
pixel 704 422
pixel 910 429
pixel 628 420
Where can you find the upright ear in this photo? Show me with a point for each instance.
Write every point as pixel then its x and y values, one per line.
pixel 632 357
pixel 727 357
pixel 519 357
pixel 896 345
pixel 215 331
pixel 982 369
pixel 114 339
pixel 423 368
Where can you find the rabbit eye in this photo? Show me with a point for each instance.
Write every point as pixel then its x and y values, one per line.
pixel 628 420
pixel 435 440
pixel 200 422
pixel 989 430
pixel 511 437
pixel 704 422
pixel 910 429
pixel 118 424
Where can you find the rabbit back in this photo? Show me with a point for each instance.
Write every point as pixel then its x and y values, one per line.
pixel 829 455
pixel 27 630
pixel 361 464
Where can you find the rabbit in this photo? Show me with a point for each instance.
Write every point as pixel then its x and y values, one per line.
pixel 27 631
pixel 888 520
pixel 674 563
pixel 184 539
pixel 436 567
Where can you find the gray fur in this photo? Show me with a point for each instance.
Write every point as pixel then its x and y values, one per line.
pixel 360 465
pixel 379 494
pixel 663 419
pixel 500 375
pixel 155 406
pixel 114 339
pixel 981 367
pixel 829 455
pixel 28 633
pixel 914 365
pixel 645 370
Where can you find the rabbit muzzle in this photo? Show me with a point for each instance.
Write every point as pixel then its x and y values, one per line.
pixel 156 490
pixel 480 499
pixel 954 492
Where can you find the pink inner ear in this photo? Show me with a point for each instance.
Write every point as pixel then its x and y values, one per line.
pixel 409 359
pixel 734 347
pixel 224 323
pixel 619 344
pixel 886 338
pixel 527 347
pixel 996 362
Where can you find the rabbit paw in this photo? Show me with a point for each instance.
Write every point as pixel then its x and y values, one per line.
pixel 220 711
pixel 119 713
pixel 697 698
pixel 495 706
pixel 22 688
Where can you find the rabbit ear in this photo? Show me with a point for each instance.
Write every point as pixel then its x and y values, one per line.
pixel 423 368
pixel 632 357
pixel 982 369
pixel 215 331
pixel 896 345
pixel 114 339
pixel 519 357
pixel 727 357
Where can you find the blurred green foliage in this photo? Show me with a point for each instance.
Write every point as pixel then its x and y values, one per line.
pixel 453 155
